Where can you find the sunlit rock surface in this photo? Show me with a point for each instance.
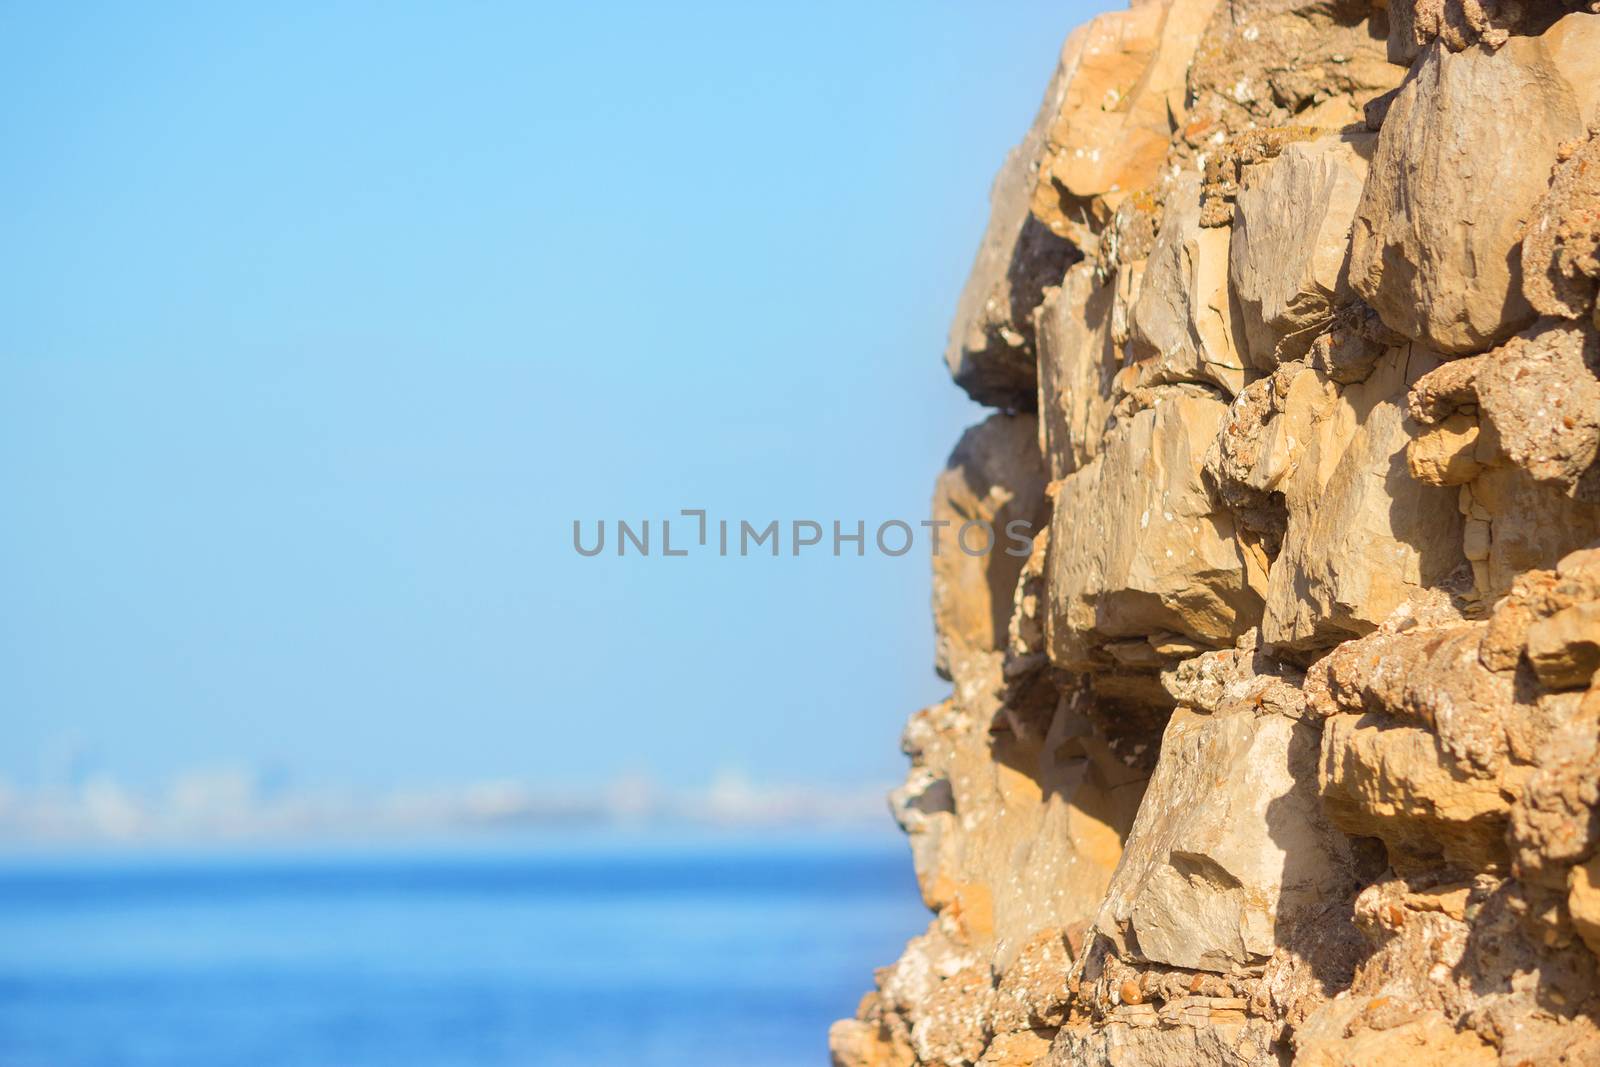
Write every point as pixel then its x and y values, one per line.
pixel 1282 743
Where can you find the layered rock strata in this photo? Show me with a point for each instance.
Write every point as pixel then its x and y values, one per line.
pixel 1283 745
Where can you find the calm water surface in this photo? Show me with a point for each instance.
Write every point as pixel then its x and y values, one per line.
pixel 645 954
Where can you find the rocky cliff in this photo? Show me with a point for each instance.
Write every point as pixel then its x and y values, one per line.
pixel 1283 746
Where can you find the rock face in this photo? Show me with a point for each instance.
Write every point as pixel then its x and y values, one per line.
pixel 1282 744
pixel 1458 24
pixel 1230 840
pixel 1437 234
pixel 1182 324
pixel 1139 550
pixel 1561 253
pixel 1363 535
pixel 1289 262
pixel 994 478
pixel 1121 80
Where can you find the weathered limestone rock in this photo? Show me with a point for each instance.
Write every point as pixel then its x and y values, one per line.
pixel 995 477
pixel 1032 993
pixel 1077 362
pixel 1553 821
pixel 1541 397
pixel 1414 750
pixel 1453 183
pixel 1124 74
pixel 1139 1038
pixel 1564 649
pixel 1392 781
pixel 1237 677
pixel 874 1039
pixel 1230 841
pixel 1289 262
pixel 991 349
pixel 1229 159
pixel 1137 547
pixel 1446 454
pixel 1025 645
pixel 1363 535
pixel 1181 325
pixel 953 1023
pixel 1514 524
pixel 1459 24
pixel 1351 344
pixel 1024 1048
pixel 1516 430
pixel 933 1004
pixel 1561 253
pixel 982 796
pixel 1425 1040
pixel 1266 64
pixel 1282 744
pixel 1583 901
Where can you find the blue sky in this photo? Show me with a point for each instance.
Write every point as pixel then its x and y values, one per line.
pixel 319 324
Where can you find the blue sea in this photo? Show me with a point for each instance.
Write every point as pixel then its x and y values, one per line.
pixel 535 954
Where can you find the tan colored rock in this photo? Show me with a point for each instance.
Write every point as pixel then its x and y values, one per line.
pixel 1523 524
pixel 1561 253
pixel 1540 413
pixel 1351 344
pixel 1446 454
pixel 1126 277
pixel 1229 843
pixel 1564 649
pixel 1077 362
pixel 1284 742
pixel 1459 24
pixel 1540 395
pixel 1507 636
pixel 1253 454
pixel 1583 901
pixel 1537 595
pixel 952 1028
pixel 995 478
pixel 1289 261
pixel 1032 992
pixel 1213 681
pixel 1275 63
pixel 1229 159
pixel 1363 535
pixel 1453 183
pixel 1393 781
pixel 1138 548
pixel 1555 820
pixel 991 350
pixel 1429 676
pixel 1026 640
pixel 1466 951
pixel 1181 325
pixel 1023 1048
pixel 982 797
pixel 1415 750
pixel 1445 391
pixel 1015 831
pixel 1449 447
pixel 931 958
pixel 1125 89
pixel 866 1042
pixel 1419 1039
pixel 1136 1037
